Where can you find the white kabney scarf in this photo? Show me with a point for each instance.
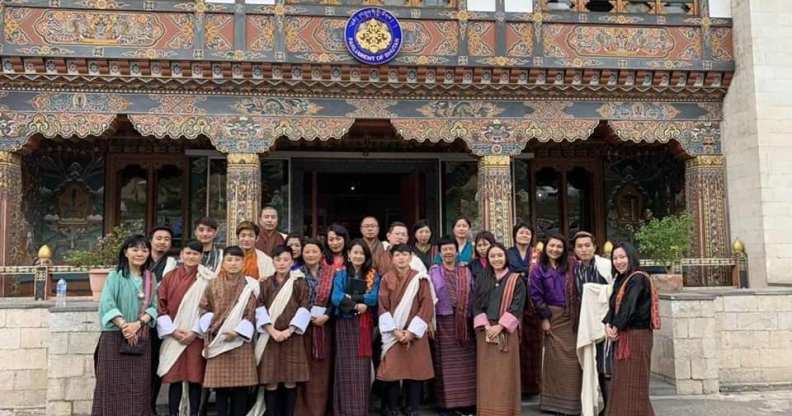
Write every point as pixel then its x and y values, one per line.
pixel 402 312
pixel 220 343
pixel 186 317
pixel 275 311
pixel 591 330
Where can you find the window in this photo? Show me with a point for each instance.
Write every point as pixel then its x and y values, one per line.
pixel 720 8
pixel 670 7
pixel 519 6
pixel 481 5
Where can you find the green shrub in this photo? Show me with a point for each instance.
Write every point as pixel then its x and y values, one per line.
pixel 665 240
pixel 105 253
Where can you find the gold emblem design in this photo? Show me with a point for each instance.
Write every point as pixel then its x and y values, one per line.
pixel 373 36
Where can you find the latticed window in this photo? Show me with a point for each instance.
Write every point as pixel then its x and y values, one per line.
pixel 687 7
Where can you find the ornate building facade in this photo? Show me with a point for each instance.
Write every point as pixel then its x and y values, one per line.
pixel 570 114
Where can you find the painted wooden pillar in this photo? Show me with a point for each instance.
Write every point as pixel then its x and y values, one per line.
pixel 495 196
pixel 12 230
pixel 705 183
pixel 243 191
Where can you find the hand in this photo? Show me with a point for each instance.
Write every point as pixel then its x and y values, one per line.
pixel 231 335
pixel 131 329
pixel 612 332
pixel 546 326
pixel 188 337
pixel 281 336
pixel 408 337
pixel 320 320
pixel 494 331
pixel 361 308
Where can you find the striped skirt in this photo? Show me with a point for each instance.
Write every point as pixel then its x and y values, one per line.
pixel 629 387
pixel 531 352
pixel 455 377
pixel 498 381
pixel 562 377
pixel 352 381
pixel 123 382
pixel 313 396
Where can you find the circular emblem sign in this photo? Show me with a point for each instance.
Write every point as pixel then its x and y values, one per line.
pixel 373 36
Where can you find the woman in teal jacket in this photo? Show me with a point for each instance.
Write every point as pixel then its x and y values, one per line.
pixel 127 310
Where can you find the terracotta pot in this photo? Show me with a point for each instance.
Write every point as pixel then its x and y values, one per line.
pixel 97 278
pixel 666 283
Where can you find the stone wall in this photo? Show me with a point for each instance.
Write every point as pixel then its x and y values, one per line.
pixel 74 332
pixel 716 340
pixel 757 124
pixel 23 353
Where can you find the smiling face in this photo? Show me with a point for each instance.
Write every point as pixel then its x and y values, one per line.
pixel 397 235
pixel 448 252
pixel 620 260
pixel 311 255
pixel 523 236
pixel 357 256
pixel 335 242
pixel 161 241
pixel 295 245
pixel 190 257
pixel 554 248
pixel 497 258
pixel 137 255
pixel 247 239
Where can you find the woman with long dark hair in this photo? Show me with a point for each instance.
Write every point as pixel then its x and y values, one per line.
pixel 498 307
pixel 552 286
pixel 354 298
pixel 630 322
pixel 482 243
pixel 127 311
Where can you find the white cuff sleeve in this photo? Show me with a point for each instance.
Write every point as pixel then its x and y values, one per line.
pixel 262 318
pixel 386 323
pixel 203 323
pixel 245 329
pixel 301 320
pixel 165 326
pixel 418 327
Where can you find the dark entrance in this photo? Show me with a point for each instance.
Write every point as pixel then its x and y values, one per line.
pixel 345 190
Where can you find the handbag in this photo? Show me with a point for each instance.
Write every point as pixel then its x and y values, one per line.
pixel 140 347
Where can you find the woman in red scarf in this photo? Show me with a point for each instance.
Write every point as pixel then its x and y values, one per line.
pixel 633 315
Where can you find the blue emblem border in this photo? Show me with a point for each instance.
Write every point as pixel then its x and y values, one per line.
pixel 363 55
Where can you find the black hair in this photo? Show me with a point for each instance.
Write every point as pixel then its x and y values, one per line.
pixel 447 240
pixel 280 249
pixel 461 218
pixel 247 225
pixel 367 265
pixel 161 228
pixel 135 240
pixel 487 279
pixel 207 221
pixel 266 207
pixel 544 259
pixel 634 263
pixel 418 225
pixel 314 241
pixel 342 232
pixel 396 224
pixel 482 235
pixel 194 245
pixel 401 248
pixel 582 234
pixel 235 251
pixel 516 228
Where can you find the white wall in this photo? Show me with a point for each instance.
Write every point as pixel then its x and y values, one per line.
pixel 720 8
pixel 519 6
pixel 481 5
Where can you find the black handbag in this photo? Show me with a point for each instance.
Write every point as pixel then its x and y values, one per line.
pixel 143 332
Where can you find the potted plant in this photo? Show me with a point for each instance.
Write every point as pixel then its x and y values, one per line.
pixel 100 259
pixel 666 241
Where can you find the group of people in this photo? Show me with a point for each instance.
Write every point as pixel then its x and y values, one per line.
pixel 285 325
